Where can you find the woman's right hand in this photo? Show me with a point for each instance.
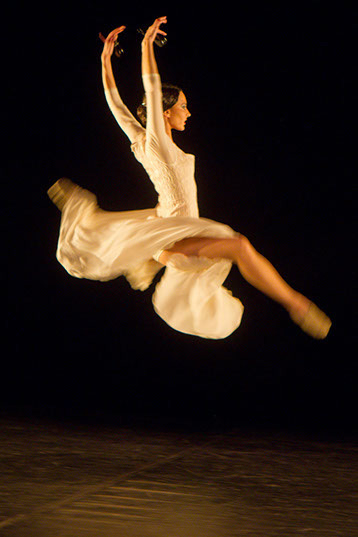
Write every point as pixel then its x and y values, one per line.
pixel 109 43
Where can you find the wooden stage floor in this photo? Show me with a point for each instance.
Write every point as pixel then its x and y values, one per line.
pixel 75 480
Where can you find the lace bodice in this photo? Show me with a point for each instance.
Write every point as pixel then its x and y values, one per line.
pixel 169 168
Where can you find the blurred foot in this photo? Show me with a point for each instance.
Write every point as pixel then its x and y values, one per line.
pixel 314 321
pixel 61 192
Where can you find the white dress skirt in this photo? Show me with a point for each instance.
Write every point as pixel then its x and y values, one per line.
pixel 102 245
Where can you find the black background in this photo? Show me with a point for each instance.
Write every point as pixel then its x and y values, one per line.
pixel 268 88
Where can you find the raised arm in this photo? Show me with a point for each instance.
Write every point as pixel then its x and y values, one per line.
pixel 158 142
pixel 125 119
pixel 149 64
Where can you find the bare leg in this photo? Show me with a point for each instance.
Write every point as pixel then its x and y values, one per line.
pixel 255 268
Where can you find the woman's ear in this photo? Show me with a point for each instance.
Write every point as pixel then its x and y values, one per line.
pixel 167 113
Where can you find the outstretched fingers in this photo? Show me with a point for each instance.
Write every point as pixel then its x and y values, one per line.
pixel 110 40
pixel 115 32
pixel 158 22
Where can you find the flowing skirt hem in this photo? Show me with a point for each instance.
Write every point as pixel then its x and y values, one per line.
pixel 102 245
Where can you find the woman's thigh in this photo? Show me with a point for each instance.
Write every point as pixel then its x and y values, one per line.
pixel 203 246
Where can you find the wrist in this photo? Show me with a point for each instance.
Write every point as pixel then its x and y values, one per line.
pixel 106 60
pixel 146 43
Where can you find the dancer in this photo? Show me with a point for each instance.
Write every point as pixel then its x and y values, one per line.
pixel 197 253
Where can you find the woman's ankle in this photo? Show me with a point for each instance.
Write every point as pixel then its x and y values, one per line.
pixel 299 306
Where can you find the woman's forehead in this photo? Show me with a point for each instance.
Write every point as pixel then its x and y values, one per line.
pixel 182 98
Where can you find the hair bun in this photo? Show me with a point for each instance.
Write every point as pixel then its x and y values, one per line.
pixel 170 95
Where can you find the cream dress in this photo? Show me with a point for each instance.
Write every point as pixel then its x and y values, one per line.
pixel 102 245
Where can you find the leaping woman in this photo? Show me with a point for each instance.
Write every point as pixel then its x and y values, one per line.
pixel 197 253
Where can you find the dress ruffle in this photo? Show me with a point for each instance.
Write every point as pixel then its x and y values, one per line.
pixel 102 245
pixel 190 297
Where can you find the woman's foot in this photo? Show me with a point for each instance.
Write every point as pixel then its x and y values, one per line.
pixel 61 192
pixel 311 319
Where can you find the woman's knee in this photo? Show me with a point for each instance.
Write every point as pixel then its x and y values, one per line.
pixel 244 248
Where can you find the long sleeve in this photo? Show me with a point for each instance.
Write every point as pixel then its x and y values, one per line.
pixel 130 126
pixel 158 143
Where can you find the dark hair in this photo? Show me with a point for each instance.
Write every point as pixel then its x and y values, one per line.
pixel 170 97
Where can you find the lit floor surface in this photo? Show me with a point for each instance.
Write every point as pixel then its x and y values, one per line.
pixel 61 480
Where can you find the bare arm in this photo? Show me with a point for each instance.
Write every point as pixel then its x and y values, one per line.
pixel 125 119
pixel 158 143
pixel 107 71
pixel 149 64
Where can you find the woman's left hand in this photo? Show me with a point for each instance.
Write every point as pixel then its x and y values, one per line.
pixel 154 30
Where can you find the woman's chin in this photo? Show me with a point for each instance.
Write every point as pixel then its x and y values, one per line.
pixel 179 125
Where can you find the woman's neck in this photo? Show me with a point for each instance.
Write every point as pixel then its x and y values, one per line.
pixel 168 129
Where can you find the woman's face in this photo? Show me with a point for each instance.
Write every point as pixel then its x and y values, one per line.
pixel 178 114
